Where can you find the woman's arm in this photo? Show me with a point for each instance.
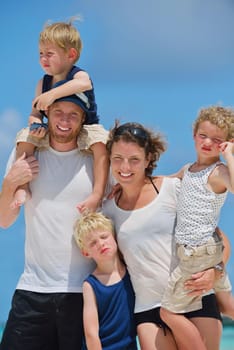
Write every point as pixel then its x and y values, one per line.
pixel 179 174
pixel 226 244
pixel 203 281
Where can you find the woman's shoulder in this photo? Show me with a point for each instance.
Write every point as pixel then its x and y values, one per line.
pixel 163 180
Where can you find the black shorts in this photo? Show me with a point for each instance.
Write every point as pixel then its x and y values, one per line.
pixel 48 321
pixel 209 309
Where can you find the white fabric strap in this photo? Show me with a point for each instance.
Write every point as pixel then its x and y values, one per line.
pixel 84 98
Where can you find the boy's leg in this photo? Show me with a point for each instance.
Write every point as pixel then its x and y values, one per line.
pixel 153 333
pixel 210 330
pixel 186 334
pixel 152 337
pixel 208 321
pixel 26 143
pixel 23 192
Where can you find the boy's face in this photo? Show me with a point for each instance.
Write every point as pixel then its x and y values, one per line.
pixel 99 245
pixel 54 60
pixel 208 139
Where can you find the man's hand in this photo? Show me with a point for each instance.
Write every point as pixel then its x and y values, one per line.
pixel 22 171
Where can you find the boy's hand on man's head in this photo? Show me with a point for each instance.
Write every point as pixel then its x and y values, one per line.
pixel 43 101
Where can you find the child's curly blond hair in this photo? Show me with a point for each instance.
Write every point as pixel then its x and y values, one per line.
pixel 222 117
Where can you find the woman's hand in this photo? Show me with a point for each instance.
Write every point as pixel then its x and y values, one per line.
pixel 201 282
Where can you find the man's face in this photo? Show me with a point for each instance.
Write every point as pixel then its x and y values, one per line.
pixel 65 121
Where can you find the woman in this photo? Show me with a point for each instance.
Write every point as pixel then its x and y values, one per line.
pixel 144 213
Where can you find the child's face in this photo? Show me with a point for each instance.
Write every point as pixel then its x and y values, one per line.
pixel 100 244
pixel 53 59
pixel 208 139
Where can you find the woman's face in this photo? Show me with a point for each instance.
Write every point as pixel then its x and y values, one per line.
pixel 128 162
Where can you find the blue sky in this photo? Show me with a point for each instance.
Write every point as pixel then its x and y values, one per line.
pixel 153 61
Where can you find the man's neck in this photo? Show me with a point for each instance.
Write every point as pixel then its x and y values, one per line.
pixel 63 147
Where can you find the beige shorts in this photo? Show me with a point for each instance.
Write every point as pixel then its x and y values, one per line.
pixel 88 135
pixel 192 260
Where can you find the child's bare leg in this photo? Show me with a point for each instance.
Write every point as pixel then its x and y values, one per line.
pixel 210 330
pixel 186 334
pixel 152 337
pixel 226 303
pixel 22 194
pixel 100 170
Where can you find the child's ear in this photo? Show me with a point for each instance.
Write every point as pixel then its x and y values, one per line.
pixel 72 53
pixel 84 253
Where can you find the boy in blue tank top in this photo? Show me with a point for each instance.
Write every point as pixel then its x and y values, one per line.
pixel 108 295
pixel 60 47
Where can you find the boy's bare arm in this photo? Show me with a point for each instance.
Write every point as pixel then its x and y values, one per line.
pixel 90 318
pixel 227 150
pixel 222 178
pixel 35 115
pixel 80 83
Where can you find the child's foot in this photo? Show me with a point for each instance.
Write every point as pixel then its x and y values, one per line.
pixel 20 198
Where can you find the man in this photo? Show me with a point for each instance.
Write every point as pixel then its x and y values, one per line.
pixel 47 305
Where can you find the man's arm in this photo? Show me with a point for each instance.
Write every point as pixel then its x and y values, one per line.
pixel 21 172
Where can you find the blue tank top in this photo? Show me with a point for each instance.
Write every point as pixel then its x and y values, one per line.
pixel 91 115
pixel 115 305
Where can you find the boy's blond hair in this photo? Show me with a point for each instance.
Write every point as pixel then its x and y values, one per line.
pixel 89 223
pixel 222 117
pixel 62 34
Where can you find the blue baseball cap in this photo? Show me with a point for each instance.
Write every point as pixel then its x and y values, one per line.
pixel 84 101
